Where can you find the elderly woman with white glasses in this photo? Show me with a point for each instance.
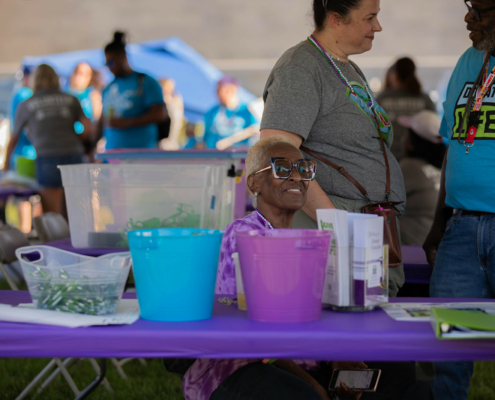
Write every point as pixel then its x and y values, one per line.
pixel 278 176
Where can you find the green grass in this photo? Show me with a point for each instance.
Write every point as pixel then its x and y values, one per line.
pixel 150 382
pixel 483 381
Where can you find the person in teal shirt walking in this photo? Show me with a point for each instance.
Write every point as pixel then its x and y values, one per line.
pixel 132 103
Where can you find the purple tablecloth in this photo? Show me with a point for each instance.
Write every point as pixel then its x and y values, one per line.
pixel 19 191
pixel 416 268
pixel 372 336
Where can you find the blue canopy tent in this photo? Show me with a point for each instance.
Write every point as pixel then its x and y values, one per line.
pixel 195 77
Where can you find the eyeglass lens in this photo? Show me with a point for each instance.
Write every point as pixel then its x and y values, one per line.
pixel 475 13
pixel 283 169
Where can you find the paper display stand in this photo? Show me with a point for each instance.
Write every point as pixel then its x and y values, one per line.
pixel 357 271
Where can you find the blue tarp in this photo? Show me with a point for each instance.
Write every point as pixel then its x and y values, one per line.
pixel 195 77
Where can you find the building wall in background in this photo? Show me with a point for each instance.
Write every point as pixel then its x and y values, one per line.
pixel 243 38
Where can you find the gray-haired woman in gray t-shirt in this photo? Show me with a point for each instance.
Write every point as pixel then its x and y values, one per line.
pixel 320 100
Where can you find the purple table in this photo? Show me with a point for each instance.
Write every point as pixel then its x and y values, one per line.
pixel 416 268
pixel 18 191
pixel 372 336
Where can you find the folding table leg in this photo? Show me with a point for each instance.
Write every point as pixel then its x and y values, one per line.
pixel 67 376
pixel 36 380
pixel 103 370
pixel 67 362
pixel 10 281
pixel 97 370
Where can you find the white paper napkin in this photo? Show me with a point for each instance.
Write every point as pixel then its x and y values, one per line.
pixel 127 313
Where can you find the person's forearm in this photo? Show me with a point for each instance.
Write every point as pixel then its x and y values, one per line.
pixel 99 129
pixel 153 116
pixel 316 199
pixel 442 194
pixel 89 129
pixel 436 233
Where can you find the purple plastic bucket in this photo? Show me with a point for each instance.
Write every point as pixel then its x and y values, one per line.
pixel 283 272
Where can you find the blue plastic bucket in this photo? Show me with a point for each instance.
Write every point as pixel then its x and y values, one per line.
pixel 175 271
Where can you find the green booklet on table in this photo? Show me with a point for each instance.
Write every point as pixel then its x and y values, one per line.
pixel 473 323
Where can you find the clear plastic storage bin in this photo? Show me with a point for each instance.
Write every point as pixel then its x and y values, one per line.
pixel 105 201
pixel 233 199
pixel 68 282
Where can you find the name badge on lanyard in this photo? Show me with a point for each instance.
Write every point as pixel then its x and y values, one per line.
pixel 474 117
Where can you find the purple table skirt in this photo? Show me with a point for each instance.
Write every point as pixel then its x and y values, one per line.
pixel 371 336
pixel 416 268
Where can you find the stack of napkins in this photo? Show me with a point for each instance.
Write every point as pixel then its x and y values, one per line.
pixel 127 313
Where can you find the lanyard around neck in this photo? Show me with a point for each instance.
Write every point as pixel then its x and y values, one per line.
pixel 482 87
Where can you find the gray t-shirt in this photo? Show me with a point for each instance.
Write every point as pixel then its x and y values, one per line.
pixel 397 102
pixel 50 116
pixel 305 96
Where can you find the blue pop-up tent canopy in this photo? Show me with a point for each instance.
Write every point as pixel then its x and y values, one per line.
pixel 196 79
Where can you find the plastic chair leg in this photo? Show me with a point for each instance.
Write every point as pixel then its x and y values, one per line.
pixel 118 366
pixel 36 380
pixel 67 376
pixel 67 362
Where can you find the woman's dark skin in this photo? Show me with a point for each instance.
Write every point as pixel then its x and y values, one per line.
pixel 278 200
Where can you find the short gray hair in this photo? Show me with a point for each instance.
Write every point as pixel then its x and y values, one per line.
pixel 256 155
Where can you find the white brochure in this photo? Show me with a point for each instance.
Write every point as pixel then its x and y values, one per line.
pixel 337 289
pixel 368 250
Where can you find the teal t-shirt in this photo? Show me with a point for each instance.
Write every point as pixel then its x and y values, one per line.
pixel 127 97
pixel 221 122
pixel 470 178
pixel 84 97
